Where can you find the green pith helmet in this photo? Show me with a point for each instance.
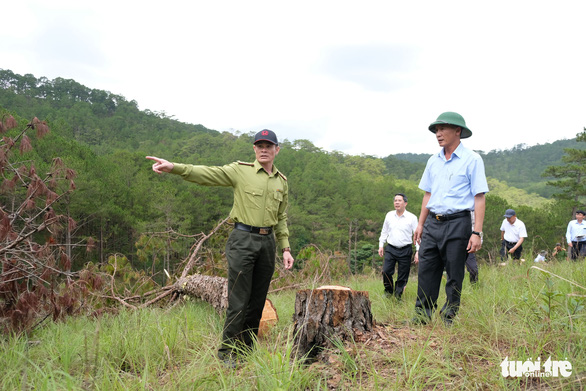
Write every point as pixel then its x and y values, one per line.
pixel 451 118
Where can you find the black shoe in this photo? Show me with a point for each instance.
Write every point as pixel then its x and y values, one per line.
pixel 448 321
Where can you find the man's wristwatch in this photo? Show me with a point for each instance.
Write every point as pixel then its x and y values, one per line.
pixel 286 249
pixel 477 233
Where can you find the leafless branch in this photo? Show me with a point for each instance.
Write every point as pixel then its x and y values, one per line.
pixel 192 257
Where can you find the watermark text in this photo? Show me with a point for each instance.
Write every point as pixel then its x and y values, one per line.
pixel 529 368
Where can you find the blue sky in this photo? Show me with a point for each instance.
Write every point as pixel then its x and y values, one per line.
pixel 358 77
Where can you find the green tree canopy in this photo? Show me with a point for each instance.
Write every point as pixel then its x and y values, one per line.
pixel 571 175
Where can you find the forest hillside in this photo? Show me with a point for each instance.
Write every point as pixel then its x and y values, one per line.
pixel 337 201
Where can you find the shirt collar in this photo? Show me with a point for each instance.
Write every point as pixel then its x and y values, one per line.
pixel 258 167
pixel 457 152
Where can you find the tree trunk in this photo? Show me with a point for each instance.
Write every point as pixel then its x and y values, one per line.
pixel 328 313
pixel 213 290
pixel 68 234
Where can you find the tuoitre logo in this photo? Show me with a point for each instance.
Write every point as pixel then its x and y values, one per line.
pixel 550 368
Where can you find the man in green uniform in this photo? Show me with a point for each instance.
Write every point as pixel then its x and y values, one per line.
pixel 260 208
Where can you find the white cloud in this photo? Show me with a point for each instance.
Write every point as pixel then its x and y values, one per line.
pixel 362 77
pixel 379 68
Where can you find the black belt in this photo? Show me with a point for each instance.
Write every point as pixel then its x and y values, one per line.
pixel 399 248
pixel 452 216
pixel 510 243
pixel 254 230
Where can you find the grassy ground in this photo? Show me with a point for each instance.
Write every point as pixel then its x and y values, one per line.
pixel 514 312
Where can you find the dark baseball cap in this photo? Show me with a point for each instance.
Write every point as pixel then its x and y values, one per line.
pixel 266 135
pixel 510 213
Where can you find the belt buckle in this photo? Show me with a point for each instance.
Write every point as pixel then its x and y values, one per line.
pixel 263 231
pixel 438 217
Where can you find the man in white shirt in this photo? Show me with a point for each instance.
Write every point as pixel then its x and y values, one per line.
pixel 576 236
pixel 513 233
pixel 397 234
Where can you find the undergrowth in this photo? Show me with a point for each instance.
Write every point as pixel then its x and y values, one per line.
pixel 514 311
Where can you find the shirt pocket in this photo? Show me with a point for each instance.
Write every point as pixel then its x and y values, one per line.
pixel 274 201
pixel 254 197
pixel 459 186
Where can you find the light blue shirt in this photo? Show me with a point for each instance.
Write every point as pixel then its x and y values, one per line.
pixel 453 183
pixel 576 229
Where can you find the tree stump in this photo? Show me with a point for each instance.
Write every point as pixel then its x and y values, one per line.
pixel 328 313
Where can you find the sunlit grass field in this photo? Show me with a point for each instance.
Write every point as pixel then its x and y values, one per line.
pixel 515 311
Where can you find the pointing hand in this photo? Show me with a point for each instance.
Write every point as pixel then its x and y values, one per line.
pixel 161 165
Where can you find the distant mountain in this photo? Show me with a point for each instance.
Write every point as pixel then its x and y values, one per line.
pixel 420 158
pixel 104 138
pixel 107 122
pixel 522 166
pixel 97 118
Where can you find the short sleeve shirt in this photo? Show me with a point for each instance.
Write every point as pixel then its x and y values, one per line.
pixel 515 231
pixel 453 183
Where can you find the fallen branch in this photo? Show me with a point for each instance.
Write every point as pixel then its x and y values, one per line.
pixel 192 258
pixel 159 297
pixel 112 286
pixel 294 286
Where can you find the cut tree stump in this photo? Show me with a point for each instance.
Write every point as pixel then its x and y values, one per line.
pixel 329 313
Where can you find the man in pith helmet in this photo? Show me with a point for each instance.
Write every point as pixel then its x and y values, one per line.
pixel 455 184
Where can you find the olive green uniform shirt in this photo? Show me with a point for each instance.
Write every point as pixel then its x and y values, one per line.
pixel 260 199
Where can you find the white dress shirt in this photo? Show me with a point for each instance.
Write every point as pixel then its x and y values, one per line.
pixel 575 230
pixel 398 230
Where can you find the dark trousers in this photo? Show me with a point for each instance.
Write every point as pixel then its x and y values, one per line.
pixel 251 263
pixel 443 246
pixel 578 250
pixel 400 256
pixel 507 246
pixel 472 267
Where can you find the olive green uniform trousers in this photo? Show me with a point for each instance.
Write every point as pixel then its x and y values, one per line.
pixel 251 264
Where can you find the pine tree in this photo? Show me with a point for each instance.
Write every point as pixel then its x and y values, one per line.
pixel 571 177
